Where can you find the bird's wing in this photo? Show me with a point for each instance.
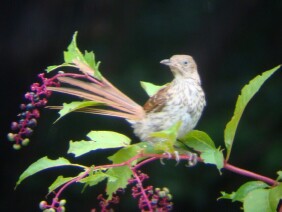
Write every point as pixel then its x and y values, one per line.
pixel 156 102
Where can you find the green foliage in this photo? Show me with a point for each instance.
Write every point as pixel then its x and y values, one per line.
pixel 256 196
pixel 279 176
pixel 94 178
pixel 74 54
pixel 99 140
pixel 118 179
pixel 246 95
pixel 73 106
pixel 243 191
pixel 59 182
pixel 168 138
pixel 42 164
pixel 119 176
pixel 201 142
pixel 263 200
pixel 150 88
pixel 125 154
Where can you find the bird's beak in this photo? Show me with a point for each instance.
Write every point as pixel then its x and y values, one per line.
pixel 166 62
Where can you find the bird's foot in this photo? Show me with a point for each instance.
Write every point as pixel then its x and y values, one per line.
pixel 169 156
pixel 192 159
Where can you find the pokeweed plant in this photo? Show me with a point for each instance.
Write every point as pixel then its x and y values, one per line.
pixel 124 170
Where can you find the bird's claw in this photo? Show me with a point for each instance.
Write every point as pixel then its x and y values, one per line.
pixel 192 159
pixel 164 155
pixel 177 158
pixel 169 156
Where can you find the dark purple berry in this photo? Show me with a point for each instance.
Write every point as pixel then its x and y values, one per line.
pixel 32 123
pixel 28 131
pixel 36 99
pixel 21 121
pixel 29 106
pixel 22 106
pixel 14 126
pixel 23 115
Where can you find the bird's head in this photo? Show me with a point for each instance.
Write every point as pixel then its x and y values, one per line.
pixel 182 66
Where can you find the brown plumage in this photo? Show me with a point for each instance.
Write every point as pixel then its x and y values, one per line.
pixel 181 100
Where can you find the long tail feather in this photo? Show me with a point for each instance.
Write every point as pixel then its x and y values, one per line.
pixel 90 96
pixel 98 111
pixel 101 91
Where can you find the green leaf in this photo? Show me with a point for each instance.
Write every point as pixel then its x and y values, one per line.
pixel 125 154
pixel 59 182
pixel 118 179
pixel 73 106
pixel 214 156
pixel 275 195
pixel 168 138
pixel 225 195
pixel 246 95
pixel 87 60
pixel 54 67
pixel 257 200
pixel 99 140
pixel 201 142
pixel 119 176
pixel 116 138
pixel 42 164
pixel 150 88
pixel 94 179
pixel 279 176
pixel 90 61
pixel 73 53
pixel 244 190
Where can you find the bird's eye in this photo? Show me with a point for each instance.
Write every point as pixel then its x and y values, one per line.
pixel 185 62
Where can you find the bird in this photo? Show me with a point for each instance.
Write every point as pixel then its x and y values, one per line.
pixel 182 100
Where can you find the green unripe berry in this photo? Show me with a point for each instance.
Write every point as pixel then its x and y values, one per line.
pixel 63 202
pixel 11 137
pixel 49 210
pixel 162 194
pixel 166 190
pixel 17 146
pixel 63 209
pixel 25 142
pixel 169 197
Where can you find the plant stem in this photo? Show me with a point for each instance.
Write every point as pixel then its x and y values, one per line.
pixel 142 190
pixel 250 174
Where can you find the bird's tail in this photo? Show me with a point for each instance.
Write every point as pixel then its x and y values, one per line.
pixel 113 101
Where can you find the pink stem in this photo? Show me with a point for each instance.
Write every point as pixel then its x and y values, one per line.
pixel 250 174
pixel 142 190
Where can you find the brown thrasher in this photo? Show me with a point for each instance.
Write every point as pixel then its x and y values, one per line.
pixel 181 100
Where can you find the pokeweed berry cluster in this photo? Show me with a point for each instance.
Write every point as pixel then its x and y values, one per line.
pixel 57 206
pixel 151 199
pixel 36 98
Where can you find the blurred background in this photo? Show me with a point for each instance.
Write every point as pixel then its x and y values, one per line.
pixel 232 41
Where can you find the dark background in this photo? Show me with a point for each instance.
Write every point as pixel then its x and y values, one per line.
pixel 231 41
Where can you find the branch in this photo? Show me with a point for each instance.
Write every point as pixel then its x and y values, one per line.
pixel 250 174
